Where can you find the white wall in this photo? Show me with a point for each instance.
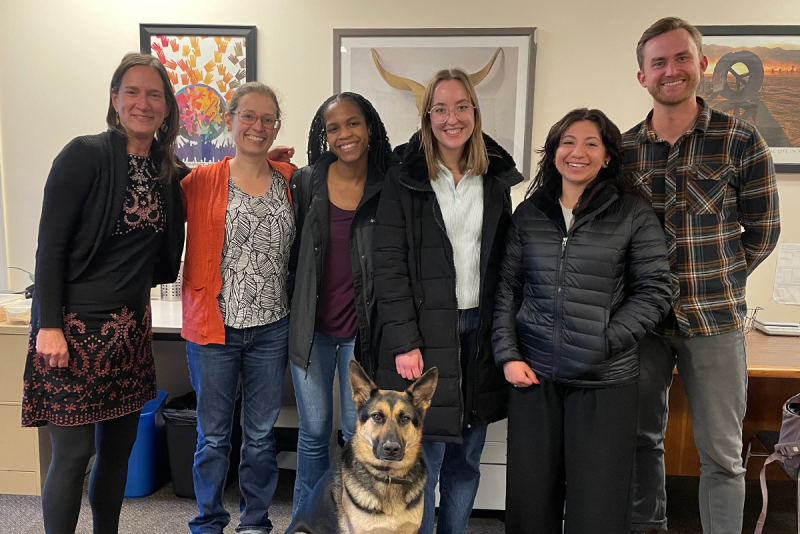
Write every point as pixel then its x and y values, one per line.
pixel 57 58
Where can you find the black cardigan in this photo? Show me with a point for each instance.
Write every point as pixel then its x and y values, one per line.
pixel 415 286
pixel 83 198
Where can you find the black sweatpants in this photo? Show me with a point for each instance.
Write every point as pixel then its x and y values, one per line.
pixel 72 449
pixel 572 443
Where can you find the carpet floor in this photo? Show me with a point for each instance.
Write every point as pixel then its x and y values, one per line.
pixel 162 512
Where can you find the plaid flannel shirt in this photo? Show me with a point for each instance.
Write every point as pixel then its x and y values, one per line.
pixel 715 194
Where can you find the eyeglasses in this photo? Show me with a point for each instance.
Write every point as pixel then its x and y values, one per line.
pixel 249 117
pixel 463 112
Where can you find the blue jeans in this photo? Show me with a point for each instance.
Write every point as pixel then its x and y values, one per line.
pixel 258 355
pixel 455 466
pixel 313 388
pixel 714 372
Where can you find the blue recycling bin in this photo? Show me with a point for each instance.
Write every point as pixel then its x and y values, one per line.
pixel 146 464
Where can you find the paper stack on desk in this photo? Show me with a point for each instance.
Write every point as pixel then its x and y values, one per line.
pixel 779 329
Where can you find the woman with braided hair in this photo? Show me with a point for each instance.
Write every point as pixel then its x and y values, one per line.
pixel 335 200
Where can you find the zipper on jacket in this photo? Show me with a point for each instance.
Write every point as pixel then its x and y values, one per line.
pixel 562 267
pixel 418 305
pixel 458 331
pixel 318 284
pixel 453 264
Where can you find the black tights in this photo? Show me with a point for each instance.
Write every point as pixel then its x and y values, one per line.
pixel 72 449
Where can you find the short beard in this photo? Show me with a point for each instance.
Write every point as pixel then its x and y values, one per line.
pixel 690 94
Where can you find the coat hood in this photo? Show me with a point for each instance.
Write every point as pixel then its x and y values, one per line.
pixel 501 164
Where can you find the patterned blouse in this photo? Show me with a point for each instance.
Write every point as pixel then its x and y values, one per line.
pixel 143 201
pixel 259 232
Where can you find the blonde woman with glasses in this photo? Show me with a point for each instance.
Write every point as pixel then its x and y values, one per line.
pixel 240 230
pixel 441 227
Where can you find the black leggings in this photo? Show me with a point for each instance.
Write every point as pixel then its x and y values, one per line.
pixel 72 449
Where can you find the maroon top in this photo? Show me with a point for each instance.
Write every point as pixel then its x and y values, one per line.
pixel 336 310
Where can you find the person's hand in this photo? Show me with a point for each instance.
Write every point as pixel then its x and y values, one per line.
pixel 51 344
pixel 409 365
pixel 519 374
pixel 281 153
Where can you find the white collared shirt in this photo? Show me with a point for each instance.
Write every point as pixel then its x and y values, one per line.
pixel 462 210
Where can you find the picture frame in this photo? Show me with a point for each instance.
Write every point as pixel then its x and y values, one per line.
pixel 754 74
pixel 502 59
pixel 205 64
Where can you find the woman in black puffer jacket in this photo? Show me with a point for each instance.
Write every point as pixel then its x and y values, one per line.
pixel 585 276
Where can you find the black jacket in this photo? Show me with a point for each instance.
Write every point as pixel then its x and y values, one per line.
pixel 574 305
pixel 309 189
pixel 415 286
pixel 83 198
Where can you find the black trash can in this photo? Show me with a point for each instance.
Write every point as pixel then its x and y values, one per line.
pixel 180 421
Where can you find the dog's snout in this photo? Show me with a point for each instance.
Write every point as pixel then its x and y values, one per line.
pixel 391 448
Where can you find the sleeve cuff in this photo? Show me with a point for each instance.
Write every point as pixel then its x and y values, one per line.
pixel 51 313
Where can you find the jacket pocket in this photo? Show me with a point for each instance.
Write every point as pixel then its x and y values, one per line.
pixel 706 185
pixel 606 319
pixel 195 313
pixel 189 285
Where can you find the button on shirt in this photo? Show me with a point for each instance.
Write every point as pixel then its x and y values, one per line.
pixel 462 210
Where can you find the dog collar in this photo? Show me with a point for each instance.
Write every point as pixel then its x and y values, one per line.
pixel 389 479
pixel 396 480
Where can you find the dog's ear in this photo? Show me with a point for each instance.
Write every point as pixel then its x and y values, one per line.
pixel 422 390
pixel 361 386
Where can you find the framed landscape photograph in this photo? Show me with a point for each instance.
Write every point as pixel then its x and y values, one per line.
pixel 392 67
pixel 205 64
pixel 754 73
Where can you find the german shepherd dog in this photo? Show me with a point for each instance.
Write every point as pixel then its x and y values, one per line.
pixel 377 484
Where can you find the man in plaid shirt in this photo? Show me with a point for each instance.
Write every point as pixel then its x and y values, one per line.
pixel 711 181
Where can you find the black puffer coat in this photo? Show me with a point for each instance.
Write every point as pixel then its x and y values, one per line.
pixel 574 305
pixel 309 189
pixel 415 286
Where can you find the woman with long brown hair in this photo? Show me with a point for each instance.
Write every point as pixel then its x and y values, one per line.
pixel 441 228
pixel 585 276
pixel 111 228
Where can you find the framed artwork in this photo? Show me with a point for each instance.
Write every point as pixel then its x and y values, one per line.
pixel 205 65
pixel 392 67
pixel 754 73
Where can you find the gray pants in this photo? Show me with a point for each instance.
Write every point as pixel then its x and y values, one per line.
pixel 714 372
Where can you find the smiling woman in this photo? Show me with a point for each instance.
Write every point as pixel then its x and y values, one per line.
pixel 141 107
pixel 584 277
pixel 333 309
pixel 235 315
pixel 441 226
pixel 110 229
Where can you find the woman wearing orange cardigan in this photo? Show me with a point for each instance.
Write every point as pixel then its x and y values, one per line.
pixel 240 230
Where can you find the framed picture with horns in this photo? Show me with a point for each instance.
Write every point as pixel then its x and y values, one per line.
pixel 392 67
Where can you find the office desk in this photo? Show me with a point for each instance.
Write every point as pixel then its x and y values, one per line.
pixel 773 368
pixel 25 452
